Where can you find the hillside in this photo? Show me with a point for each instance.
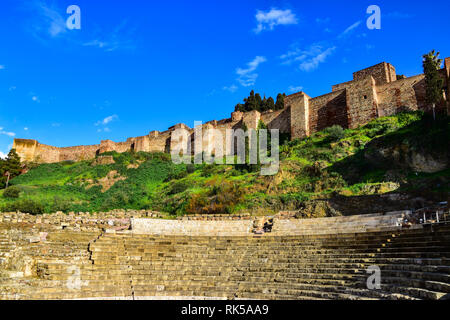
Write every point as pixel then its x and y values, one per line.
pixel 332 172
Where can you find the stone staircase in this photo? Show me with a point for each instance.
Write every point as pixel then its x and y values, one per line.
pixel 414 263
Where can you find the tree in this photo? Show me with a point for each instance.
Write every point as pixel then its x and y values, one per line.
pixel 239 107
pixel 258 103
pixel 251 102
pixel 280 101
pixel 12 165
pixel 255 102
pixel 434 82
pixel 270 104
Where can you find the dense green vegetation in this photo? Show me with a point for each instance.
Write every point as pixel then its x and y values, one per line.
pixel 329 163
pixel 255 102
pixel 434 82
pixel 9 166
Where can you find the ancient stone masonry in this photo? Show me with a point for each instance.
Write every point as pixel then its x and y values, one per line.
pixel 134 256
pixel 373 92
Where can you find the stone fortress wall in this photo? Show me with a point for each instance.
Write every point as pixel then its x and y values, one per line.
pixel 373 92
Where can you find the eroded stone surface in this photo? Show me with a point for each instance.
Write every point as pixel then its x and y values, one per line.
pixel 300 259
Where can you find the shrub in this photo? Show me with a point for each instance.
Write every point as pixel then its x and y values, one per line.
pixel 335 133
pixel 178 187
pixel 208 170
pixel 176 175
pixel 406 118
pixel 60 204
pixel 220 199
pixel 12 192
pixel 26 206
pixel 198 204
pixel 190 168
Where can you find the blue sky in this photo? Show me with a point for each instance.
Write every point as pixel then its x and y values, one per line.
pixel 137 66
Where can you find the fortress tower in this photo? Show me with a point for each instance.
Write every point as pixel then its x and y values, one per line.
pixel 374 92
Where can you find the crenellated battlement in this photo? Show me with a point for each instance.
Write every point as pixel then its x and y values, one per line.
pixel 374 92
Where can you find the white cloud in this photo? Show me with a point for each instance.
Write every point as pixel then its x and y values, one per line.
pixel 55 125
pixel 247 77
pixel 274 17
pixel 350 29
pixel 106 129
pixel 291 56
pixel 295 89
pixel 114 40
pixel 309 59
pixel 35 99
pixel 2 67
pixel 12 88
pixel 107 120
pixel 312 63
pixel 231 88
pixel 51 22
pixel 2 155
pixel 251 66
pixel 6 133
pixel 95 43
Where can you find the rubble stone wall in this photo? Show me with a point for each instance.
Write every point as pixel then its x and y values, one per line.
pixel 373 92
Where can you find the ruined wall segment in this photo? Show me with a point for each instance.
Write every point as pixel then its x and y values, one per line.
pixel 328 110
pixel 401 95
pixel 78 153
pixel 299 108
pixel 280 119
pixel 155 141
pixel 181 139
pixel 251 119
pixel 341 86
pixel 382 73
pixel 25 148
pixel 374 92
pixel 362 102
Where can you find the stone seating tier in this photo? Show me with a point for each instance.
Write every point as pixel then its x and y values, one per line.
pixel 284 264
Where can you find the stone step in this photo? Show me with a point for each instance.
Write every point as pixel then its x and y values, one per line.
pixel 266 257
pixel 421 275
pixel 285 263
pixel 418 283
pixel 416 268
pixel 415 292
pixel 414 264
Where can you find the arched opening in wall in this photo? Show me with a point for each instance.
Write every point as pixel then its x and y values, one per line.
pixel 133 147
pixel 97 153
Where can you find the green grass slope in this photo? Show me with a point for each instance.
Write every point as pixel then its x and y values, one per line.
pixel 328 164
